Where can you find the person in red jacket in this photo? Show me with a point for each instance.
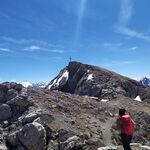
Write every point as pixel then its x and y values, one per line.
pixel 126 126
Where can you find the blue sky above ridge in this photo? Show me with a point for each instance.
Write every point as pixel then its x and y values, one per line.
pixel 38 37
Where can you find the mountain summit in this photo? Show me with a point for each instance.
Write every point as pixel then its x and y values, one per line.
pixel 83 79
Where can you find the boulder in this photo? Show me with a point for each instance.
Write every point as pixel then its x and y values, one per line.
pixel 3 92
pixel 20 103
pixel 18 87
pixel 12 139
pixel 11 93
pixel 5 112
pixel 33 136
pixel 2 146
pixel 72 143
pixel 63 135
pixel 29 118
pixel 21 147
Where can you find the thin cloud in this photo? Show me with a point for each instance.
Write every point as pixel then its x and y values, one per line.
pixel 57 50
pixel 119 63
pixel 132 33
pixel 34 48
pixel 22 41
pixel 133 48
pixel 4 15
pixel 113 44
pixel 126 12
pixel 125 17
pixel 35 42
pixel 6 50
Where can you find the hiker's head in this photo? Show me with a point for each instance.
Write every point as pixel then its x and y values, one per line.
pixel 122 112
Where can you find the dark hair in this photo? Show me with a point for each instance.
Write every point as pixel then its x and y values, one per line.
pixel 122 112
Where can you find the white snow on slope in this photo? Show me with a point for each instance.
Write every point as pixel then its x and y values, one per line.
pixel 90 77
pixel 49 87
pixel 138 99
pixel 86 96
pixel 65 76
pixel 56 82
pixel 104 100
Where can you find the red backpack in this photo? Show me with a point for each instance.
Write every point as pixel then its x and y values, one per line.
pixel 128 125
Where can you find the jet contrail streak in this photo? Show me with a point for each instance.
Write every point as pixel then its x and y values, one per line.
pixel 79 21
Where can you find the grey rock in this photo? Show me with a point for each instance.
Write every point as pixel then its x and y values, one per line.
pixel 20 103
pixel 5 112
pixel 18 87
pixel 3 93
pixel 72 143
pixel 5 124
pixel 63 134
pixel 29 118
pixel 33 136
pixel 2 146
pixel 21 148
pixel 12 139
pixel 11 93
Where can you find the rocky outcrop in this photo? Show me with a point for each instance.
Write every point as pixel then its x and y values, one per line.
pixel 94 81
pixel 33 136
pixel 3 93
pixel 3 146
pixel 20 103
pixel 5 112
pixel 55 120
pixel 12 105
pixel 9 90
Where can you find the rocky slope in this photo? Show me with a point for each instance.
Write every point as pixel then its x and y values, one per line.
pixel 94 81
pixel 54 120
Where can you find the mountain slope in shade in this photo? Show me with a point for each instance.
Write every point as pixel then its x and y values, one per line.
pixel 83 79
pixel 145 81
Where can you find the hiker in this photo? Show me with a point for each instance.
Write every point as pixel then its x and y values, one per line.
pixel 126 126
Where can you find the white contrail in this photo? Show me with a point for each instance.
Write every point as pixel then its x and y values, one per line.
pixel 82 8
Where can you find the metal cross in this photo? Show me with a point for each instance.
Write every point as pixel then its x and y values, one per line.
pixel 70 58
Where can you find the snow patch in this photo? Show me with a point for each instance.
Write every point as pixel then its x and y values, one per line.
pixel 56 82
pixel 104 100
pixel 49 87
pixel 92 97
pixel 65 76
pixel 138 99
pixel 90 77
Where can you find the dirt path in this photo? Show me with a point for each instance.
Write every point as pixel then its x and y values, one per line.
pixel 106 129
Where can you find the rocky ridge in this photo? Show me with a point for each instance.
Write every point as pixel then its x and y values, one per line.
pixel 51 121
pixel 83 79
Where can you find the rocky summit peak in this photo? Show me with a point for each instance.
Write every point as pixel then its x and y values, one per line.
pixel 84 79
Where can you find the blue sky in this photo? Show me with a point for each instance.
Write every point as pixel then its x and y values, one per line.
pixel 37 37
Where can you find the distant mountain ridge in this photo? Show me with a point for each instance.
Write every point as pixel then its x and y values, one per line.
pixel 33 86
pixel 84 79
pixel 145 81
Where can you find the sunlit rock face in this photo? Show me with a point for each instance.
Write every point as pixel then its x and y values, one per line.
pixel 83 79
